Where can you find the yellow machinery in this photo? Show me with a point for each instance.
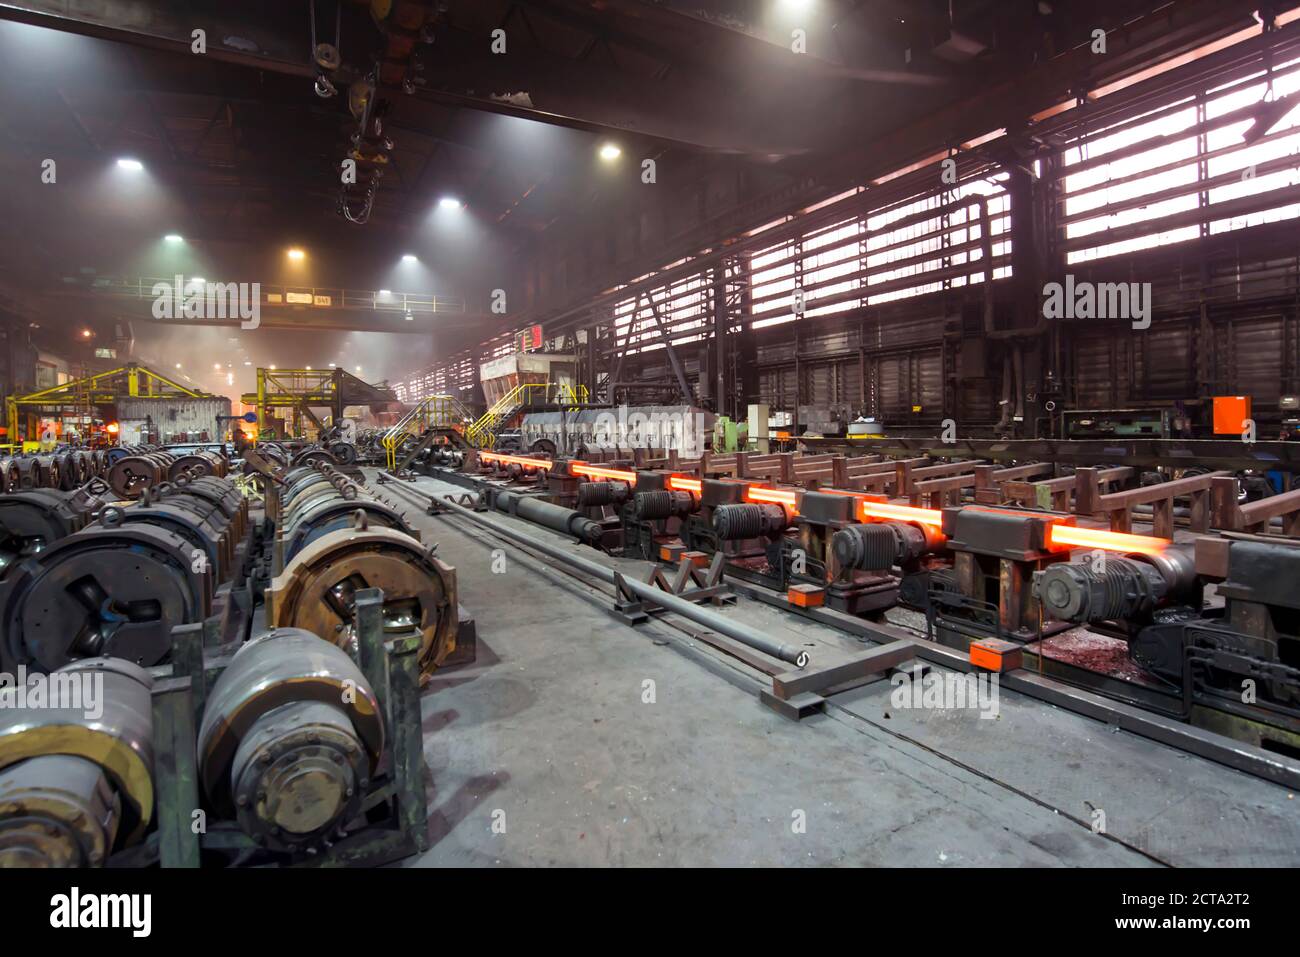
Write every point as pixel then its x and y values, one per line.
pixel 295 389
pixel 433 412
pixel 482 434
pixel 446 412
pixel 81 396
pixel 301 390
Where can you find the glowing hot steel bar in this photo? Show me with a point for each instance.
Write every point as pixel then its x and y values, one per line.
pixel 595 471
pixel 1075 537
pixel 773 496
pixel 514 460
pixel 900 513
pixel 680 483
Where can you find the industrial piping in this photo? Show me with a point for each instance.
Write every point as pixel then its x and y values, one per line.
pixel 555 517
pixel 678 606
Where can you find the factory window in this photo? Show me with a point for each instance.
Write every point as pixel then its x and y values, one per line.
pixel 914 247
pixel 1271 162
pixel 1156 178
pixel 937 242
pixel 682 306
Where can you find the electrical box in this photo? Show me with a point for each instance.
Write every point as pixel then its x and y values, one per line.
pixel 1230 412
pixel 758 427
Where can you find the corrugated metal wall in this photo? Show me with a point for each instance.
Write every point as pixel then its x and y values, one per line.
pixel 173 416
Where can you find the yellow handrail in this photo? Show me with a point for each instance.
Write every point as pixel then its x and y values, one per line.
pixel 435 411
pixel 481 433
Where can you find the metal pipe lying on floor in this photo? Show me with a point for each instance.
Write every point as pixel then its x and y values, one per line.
pixel 555 517
pixel 679 606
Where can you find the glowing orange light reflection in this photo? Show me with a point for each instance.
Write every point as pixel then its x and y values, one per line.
pixel 1073 537
pixel 773 496
pixel 595 471
pixel 901 513
pixel 514 460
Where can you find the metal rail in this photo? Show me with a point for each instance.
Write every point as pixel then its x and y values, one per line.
pixel 738 631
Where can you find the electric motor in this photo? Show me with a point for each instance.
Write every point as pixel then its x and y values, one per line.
pixel 661 504
pixel 878 546
pixel 749 520
pixel 1114 588
pixel 599 494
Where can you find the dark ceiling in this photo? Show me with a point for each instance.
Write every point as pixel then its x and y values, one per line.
pixel 245 155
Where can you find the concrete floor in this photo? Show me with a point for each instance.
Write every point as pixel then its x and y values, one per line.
pixel 543 753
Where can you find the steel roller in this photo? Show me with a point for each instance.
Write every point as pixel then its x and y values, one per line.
pixel 103 591
pixel 316 591
pixel 290 737
pixel 76 779
pixel 130 475
pixel 333 513
pixel 198 464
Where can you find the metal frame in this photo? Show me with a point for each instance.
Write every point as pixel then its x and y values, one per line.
pixel 101 389
pixel 391 666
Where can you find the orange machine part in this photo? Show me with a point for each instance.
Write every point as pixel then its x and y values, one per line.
pixel 1230 412
pixel 806 596
pixel 993 654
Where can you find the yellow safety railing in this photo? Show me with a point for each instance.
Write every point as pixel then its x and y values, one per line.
pixel 482 433
pixel 435 411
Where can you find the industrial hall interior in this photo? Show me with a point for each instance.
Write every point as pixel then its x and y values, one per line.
pixel 624 434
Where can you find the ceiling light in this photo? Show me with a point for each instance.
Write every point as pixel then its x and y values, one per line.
pixel 134 165
pixel 450 202
pixel 178 365
pixel 409 318
pixel 216 365
pixel 309 368
pixel 358 368
pixel 272 368
pixel 295 254
pixel 610 152
pixel 408 257
pixel 385 292
pixel 85 333
pixel 174 238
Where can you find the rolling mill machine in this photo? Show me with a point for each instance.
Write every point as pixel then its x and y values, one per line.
pixel 201 659
pixel 1016 564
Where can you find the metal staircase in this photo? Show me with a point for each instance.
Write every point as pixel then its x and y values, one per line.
pixel 482 433
pixel 433 416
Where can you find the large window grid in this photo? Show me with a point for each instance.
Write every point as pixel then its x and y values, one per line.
pixel 1182 171
pixel 1133 173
